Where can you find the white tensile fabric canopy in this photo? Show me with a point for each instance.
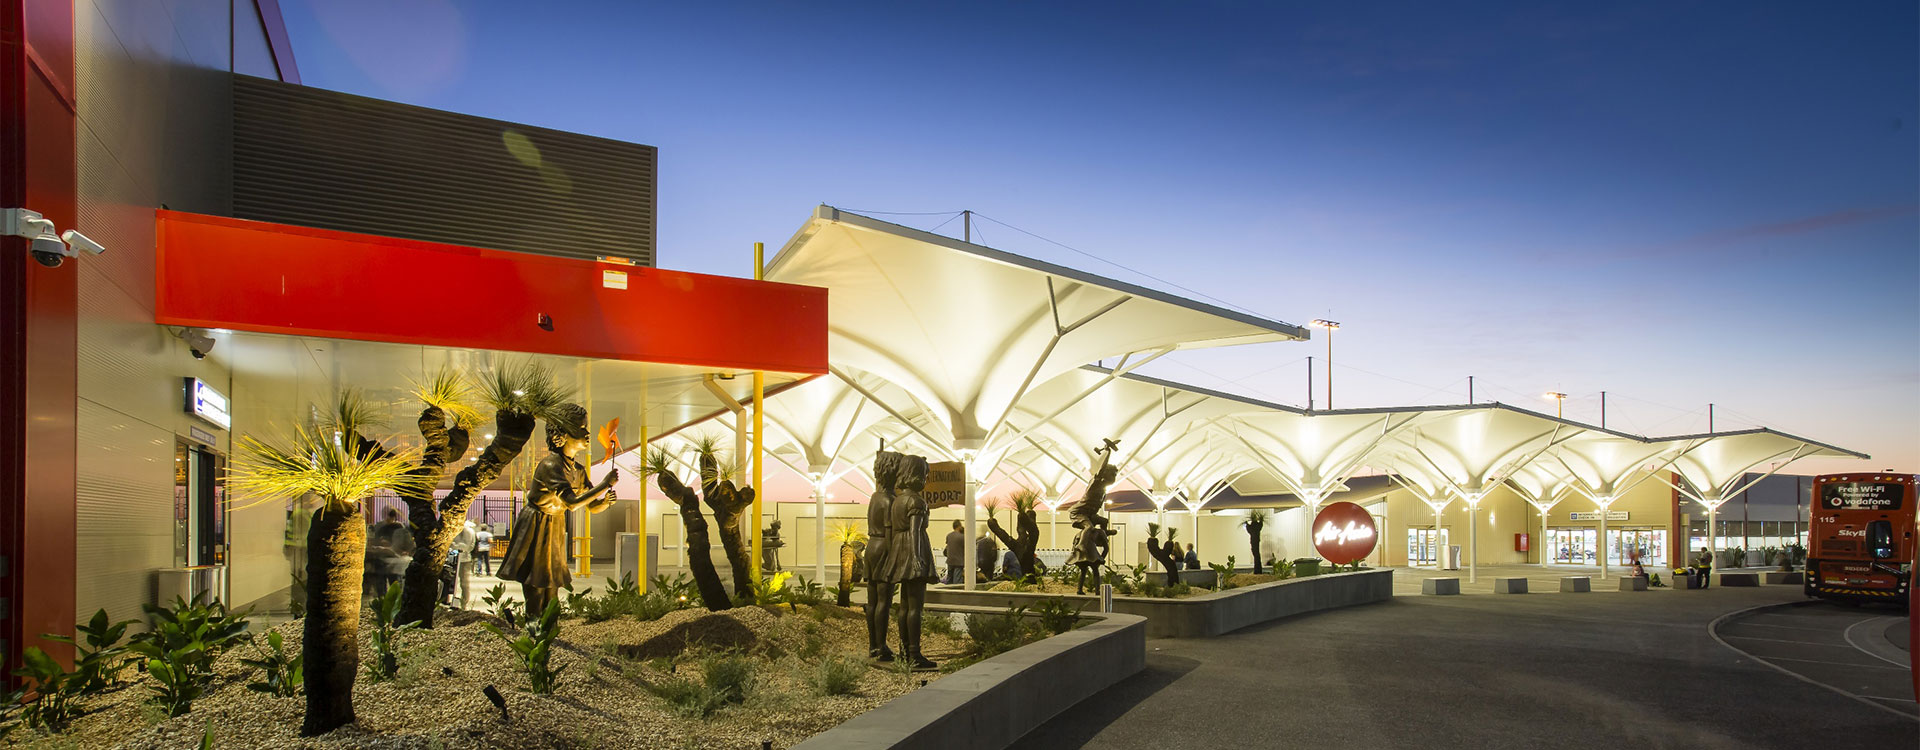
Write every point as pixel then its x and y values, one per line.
pixel 969 331
pixel 1715 467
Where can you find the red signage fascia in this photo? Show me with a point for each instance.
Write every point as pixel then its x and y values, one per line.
pixel 216 272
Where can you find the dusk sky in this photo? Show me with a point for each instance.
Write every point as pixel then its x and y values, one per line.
pixel 1676 203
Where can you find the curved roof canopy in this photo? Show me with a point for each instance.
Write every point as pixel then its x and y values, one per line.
pixel 969 330
pixel 1714 465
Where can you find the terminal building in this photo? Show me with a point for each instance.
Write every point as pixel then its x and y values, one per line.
pixel 268 245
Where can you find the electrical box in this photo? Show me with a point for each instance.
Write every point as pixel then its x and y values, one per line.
pixel 1522 542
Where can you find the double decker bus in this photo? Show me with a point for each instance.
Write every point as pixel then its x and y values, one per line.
pixel 1861 541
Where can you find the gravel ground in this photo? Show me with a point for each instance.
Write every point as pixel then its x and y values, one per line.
pixel 601 700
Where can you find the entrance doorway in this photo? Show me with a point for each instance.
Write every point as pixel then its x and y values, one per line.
pixel 1574 546
pixel 1651 544
pixel 199 506
pixel 1424 545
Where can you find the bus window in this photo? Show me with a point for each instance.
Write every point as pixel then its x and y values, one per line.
pixel 1880 540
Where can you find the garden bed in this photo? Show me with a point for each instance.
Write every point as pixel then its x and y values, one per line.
pixel 601 700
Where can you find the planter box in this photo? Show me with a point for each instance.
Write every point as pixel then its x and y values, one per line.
pixel 1786 578
pixel 1509 585
pixel 1208 614
pixel 1739 579
pixel 1636 583
pixel 1440 586
pixel 1579 584
pixel 995 702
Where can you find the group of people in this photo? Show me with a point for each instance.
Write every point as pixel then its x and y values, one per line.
pixel 988 558
pixel 390 548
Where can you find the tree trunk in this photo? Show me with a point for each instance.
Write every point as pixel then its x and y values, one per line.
pixel 699 549
pixel 729 504
pixel 330 641
pixel 434 533
pixel 1023 547
pixel 847 555
pixel 1164 554
pixel 1253 538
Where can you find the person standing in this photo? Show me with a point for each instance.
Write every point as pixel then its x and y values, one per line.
pixel 1703 567
pixel 1193 557
pixel 986 550
pixel 483 549
pixel 389 550
pixel 463 544
pixel 956 552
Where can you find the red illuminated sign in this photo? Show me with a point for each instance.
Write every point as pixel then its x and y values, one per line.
pixel 1343 533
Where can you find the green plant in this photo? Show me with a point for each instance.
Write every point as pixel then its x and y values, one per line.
pixel 10 707
pixel 97 662
pixel 281 670
pixel 730 676
pixel 993 634
pixel 497 602
pixel 772 592
pixel 1282 568
pixel 839 675
pixel 180 646
pixel 687 697
pixel 806 592
pixel 56 692
pixel 1057 614
pixel 680 588
pixel 386 635
pixel 938 623
pixel 1739 557
pixel 534 646
pixel 1223 575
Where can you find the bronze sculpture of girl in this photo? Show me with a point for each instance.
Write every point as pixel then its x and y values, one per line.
pixel 537 555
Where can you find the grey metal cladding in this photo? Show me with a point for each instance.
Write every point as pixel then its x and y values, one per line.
pixel 318 158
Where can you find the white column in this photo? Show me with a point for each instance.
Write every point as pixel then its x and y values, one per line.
pixel 1473 543
pixel 820 534
pixel 971 555
pixel 1604 547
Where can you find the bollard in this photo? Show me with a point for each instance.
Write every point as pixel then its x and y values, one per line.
pixel 1106 597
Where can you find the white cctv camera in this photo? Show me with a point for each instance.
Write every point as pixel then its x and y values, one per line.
pixel 199 341
pixel 78 241
pixel 48 248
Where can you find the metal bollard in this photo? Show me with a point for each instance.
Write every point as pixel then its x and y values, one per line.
pixel 1106 597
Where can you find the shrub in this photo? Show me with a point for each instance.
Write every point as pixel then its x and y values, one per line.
pixel 729 676
pixel 1223 575
pixel 938 623
pixel 687 697
pixel 806 592
pixel 1282 569
pixel 534 646
pixel 98 661
pixel 839 675
pixel 386 635
pixel 181 645
pixel 679 588
pixel 999 633
pixel 497 602
pixel 772 592
pixel 1057 614
pixel 56 692
pixel 281 670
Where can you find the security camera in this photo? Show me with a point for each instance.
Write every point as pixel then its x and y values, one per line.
pixel 199 342
pixel 77 241
pixel 45 245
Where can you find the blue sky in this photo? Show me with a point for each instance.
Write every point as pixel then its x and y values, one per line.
pixel 1677 203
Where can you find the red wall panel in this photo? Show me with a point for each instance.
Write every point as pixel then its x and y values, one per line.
pixel 216 272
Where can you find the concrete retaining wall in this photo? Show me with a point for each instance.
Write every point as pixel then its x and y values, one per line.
pixel 995 702
pixel 1209 614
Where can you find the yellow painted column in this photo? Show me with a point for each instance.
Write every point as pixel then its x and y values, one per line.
pixel 759 427
pixel 642 573
pixel 583 542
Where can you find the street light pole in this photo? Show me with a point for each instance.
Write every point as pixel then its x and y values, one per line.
pixel 1560 404
pixel 1330 327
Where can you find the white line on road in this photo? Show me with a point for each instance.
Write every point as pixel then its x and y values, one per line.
pixel 1835 663
pixel 1862 647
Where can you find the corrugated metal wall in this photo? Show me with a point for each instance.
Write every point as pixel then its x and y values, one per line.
pixel 318 158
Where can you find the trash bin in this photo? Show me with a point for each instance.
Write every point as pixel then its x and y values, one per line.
pixel 1453 557
pixel 1306 566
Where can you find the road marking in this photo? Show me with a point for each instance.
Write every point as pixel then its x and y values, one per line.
pixel 1713 630
pixel 1782 640
pixel 1788 627
pixel 1863 648
pixel 1835 663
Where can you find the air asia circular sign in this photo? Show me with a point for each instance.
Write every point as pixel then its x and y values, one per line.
pixel 1343 533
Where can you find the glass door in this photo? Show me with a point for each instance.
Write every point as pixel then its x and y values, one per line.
pixel 1422 547
pixel 1573 546
pixel 1649 544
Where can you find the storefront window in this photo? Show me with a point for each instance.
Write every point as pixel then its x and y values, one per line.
pixel 1650 544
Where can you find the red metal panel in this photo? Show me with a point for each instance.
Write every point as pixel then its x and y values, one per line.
pixel 276 28
pixel 215 272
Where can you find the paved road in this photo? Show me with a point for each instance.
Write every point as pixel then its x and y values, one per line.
pixel 1849 649
pixel 1562 670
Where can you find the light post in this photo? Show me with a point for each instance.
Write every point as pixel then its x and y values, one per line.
pixel 1330 326
pixel 1559 403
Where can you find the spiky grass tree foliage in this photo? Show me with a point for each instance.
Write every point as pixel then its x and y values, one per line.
pixel 1164 552
pixel 336 462
pixel 849 536
pixel 729 505
pixel 1027 526
pixel 659 465
pixel 1255 521
pixel 517 395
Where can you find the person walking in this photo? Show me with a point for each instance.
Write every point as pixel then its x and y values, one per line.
pixel 483 549
pixel 956 553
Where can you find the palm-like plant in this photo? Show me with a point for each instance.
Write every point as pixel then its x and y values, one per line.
pixel 518 394
pixel 850 538
pixel 659 464
pixel 1027 531
pixel 334 461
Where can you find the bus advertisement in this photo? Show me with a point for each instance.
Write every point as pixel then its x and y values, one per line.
pixel 1861 538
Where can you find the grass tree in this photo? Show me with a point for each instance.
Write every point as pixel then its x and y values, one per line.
pixel 699 548
pixel 850 538
pixel 1026 527
pixel 1169 561
pixel 1256 521
pixel 517 395
pixel 729 505
pixel 334 461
